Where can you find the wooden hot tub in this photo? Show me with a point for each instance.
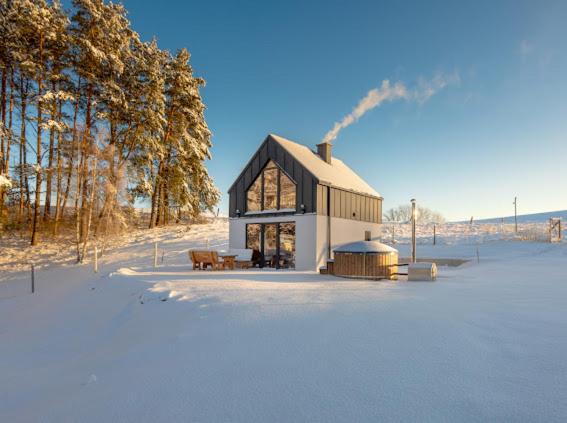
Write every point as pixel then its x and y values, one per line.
pixel 367 260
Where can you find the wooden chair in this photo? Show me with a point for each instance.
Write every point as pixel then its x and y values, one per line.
pixel 203 258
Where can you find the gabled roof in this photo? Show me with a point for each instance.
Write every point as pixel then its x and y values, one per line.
pixel 336 174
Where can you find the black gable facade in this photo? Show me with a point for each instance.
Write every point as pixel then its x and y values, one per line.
pixel 270 149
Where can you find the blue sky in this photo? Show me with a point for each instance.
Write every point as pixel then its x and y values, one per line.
pixel 294 68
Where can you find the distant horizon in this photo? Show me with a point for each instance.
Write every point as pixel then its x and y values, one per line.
pixel 522 216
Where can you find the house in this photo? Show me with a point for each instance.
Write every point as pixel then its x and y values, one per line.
pixel 295 205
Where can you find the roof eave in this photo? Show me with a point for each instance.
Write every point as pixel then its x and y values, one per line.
pixel 247 164
pixel 354 191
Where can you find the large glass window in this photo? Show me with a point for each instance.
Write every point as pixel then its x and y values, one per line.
pixel 254 196
pixel 270 243
pixel 253 232
pixel 274 241
pixel 287 244
pixel 272 190
pixel 287 192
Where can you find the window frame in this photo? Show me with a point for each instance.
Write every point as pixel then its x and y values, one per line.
pixel 261 176
pixel 262 238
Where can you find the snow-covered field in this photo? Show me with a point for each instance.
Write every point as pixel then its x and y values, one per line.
pixel 486 342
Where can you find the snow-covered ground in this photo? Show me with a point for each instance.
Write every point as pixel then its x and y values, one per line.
pixel 486 342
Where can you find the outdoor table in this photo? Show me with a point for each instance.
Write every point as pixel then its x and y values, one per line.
pixel 228 260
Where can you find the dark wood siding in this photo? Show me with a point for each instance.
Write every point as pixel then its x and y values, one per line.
pixel 349 205
pixel 322 195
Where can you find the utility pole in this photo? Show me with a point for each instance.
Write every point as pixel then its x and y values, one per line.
pixel 413 256
pixel 516 214
pixel 434 234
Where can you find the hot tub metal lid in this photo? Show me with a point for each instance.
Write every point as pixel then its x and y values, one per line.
pixel 365 247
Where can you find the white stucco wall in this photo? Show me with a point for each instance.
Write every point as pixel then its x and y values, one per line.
pixel 342 231
pixel 305 236
pixel 310 235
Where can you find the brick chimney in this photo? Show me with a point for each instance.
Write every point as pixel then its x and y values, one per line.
pixel 324 151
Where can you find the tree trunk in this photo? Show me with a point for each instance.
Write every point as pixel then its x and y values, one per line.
pixel 36 210
pixel 111 190
pixel 23 172
pixel 165 202
pixel 164 190
pixel 77 209
pixel 72 155
pixel 85 156
pixel 2 135
pixel 157 203
pixel 59 172
pixel 67 186
pixel 155 196
pixel 49 175
pixel 6 163
pixel 3 117
pixel 10 121
pixel 91 207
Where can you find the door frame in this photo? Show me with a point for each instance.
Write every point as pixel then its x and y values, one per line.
pixel 262 237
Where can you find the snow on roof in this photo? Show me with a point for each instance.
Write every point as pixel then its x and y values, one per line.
pixel 422 265
pixel 365 247
pixel 336 174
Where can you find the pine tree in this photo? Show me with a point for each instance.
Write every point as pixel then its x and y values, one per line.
pixel 98 34
pixel 8 59
pixel 187 142
pixel 56 94
pixel 106 117
pixel 35 25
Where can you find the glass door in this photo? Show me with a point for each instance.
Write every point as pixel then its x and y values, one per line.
pixel 287 245
pixel 270 244
pixel 274 241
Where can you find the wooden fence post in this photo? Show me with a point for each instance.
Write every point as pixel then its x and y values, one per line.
pixel 155 254
pixel 96 258
pixel 413 229
pixel 32 278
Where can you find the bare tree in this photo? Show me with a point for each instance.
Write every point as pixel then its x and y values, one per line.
pixel 403 214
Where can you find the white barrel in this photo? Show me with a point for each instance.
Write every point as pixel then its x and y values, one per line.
pixel 422 272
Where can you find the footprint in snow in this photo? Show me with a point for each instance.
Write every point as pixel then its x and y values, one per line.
pixel 92 379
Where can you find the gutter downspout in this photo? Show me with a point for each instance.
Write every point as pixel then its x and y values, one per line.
pixel 328 222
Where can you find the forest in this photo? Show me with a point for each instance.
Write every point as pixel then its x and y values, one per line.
pixel 94 123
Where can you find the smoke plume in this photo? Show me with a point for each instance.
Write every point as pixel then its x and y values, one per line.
pixel 424 90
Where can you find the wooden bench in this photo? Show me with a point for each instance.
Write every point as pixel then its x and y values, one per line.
pixel 203 258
